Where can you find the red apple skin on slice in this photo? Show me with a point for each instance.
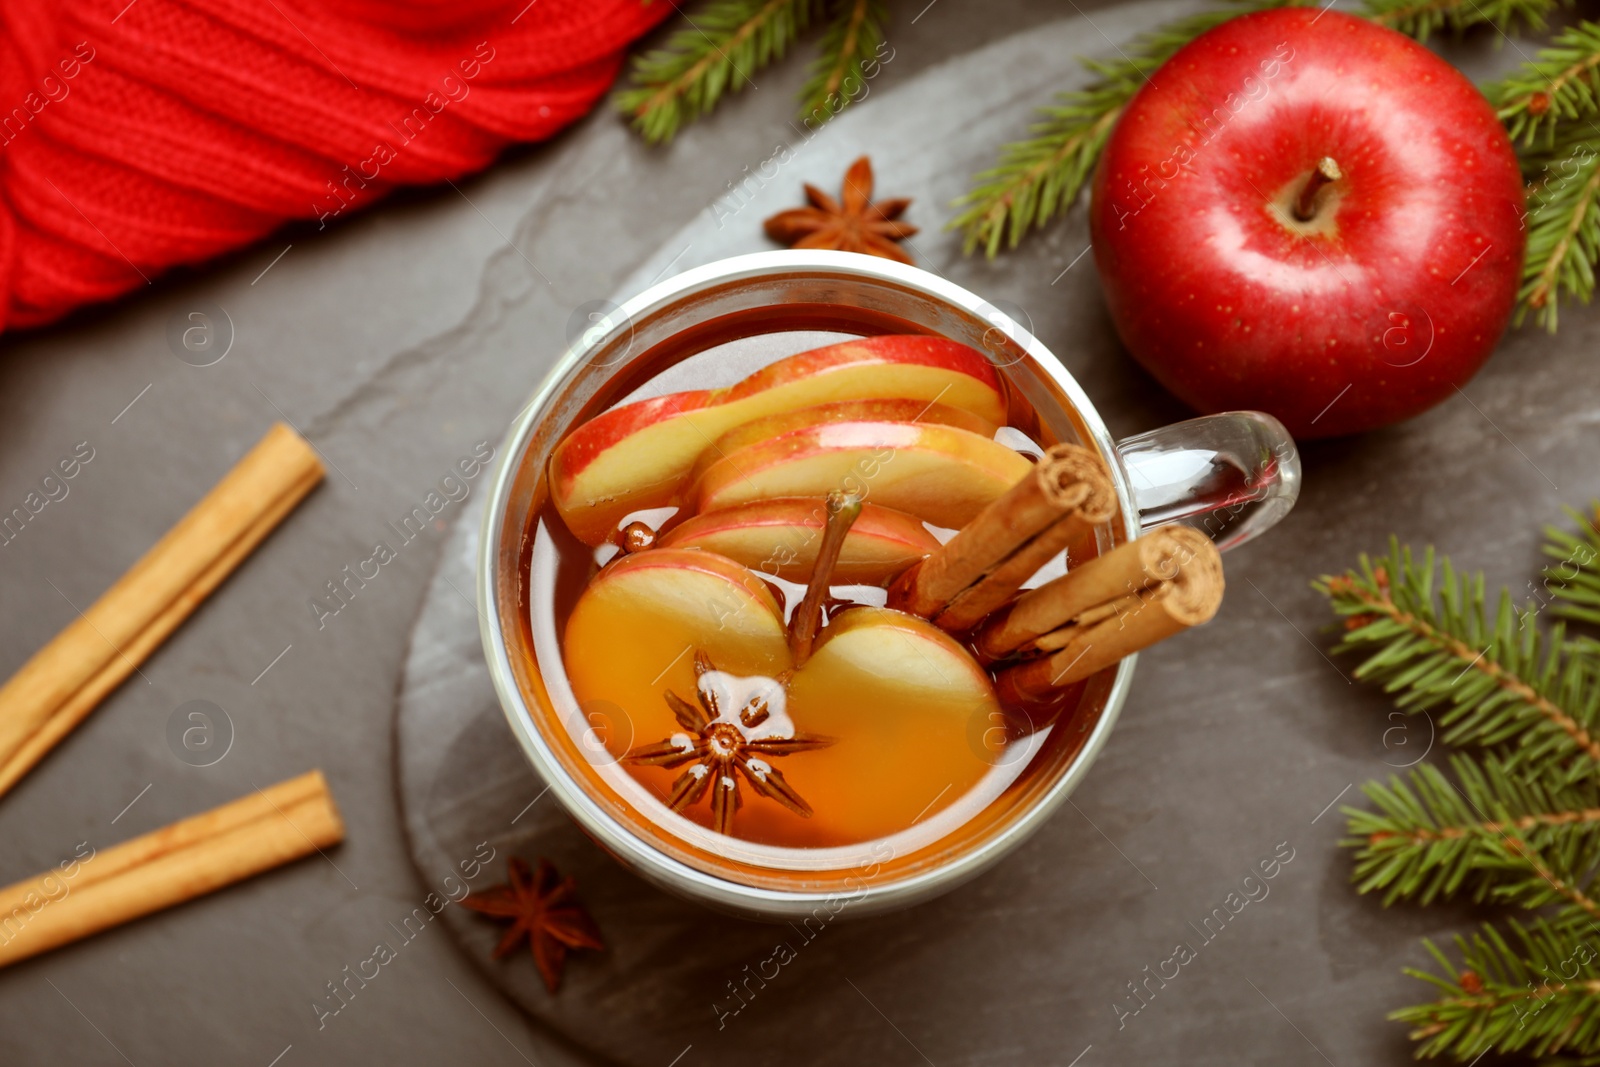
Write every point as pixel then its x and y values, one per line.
pixel 775 426
pixel 639 455
pixel 939 474
pixel 897 410
pixel 781 538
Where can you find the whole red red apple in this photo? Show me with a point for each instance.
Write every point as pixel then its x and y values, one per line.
pixel 1306 213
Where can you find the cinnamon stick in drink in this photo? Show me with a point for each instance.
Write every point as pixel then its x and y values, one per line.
pixel 1110 607
pixel 1060 502
pixel 62 683
pixel 178 863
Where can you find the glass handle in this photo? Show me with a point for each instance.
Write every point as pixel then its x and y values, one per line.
pixel 1231 476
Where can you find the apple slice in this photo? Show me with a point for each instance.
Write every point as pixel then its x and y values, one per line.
pixel 638 456
pixel 781 537
pixel 902 653
pixel 631 634
pixel 940 474
pixel 891 769
pixel 898 410
pixel 907 712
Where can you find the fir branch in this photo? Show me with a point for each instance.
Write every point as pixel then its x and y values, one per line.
pixel 1429 837
pixel 1039 177
pixel 1539 997
pixel 1422 18
pixel 1551 105
pixel 850 43
pixel 1501 686
pixel 1537 881
pixel 727 41
pixel 1575 579
pixel 1036 178
pixel 1560 84
pixel 1563 224
pixel 1517 826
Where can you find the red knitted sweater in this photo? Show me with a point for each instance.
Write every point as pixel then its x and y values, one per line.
pixel 135 136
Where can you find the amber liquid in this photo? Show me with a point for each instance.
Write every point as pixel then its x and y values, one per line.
pixel 918 752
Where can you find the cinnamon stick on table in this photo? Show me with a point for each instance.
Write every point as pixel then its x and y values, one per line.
pixel 1054 507
pixel 188 859
pixel 64 681
pixel 1110 607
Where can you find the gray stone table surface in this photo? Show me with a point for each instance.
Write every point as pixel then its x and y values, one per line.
pixel 399 340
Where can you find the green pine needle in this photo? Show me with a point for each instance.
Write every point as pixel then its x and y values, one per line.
pixel 1559 85
pixel 727 41
pixel 1422 18
pixel 1038 178
pixel 1499 685
pixel 850 43
pixel 1429 836
pixel 1574 580
pixel 1536 993
pixel 1515 824
pixel 1563 225
pixel 1551 105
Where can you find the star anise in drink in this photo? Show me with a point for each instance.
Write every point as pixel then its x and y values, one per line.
pixel 733 729
pixel 853 223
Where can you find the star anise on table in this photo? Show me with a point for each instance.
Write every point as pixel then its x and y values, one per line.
pixel 544 909
pixel 721 744
pixel 853 223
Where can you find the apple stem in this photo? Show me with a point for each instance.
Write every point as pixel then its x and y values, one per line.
pixel 843 508
pixel 1324 172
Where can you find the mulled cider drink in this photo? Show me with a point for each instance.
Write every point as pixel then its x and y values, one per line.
pixel 801 567
pixel 811 578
